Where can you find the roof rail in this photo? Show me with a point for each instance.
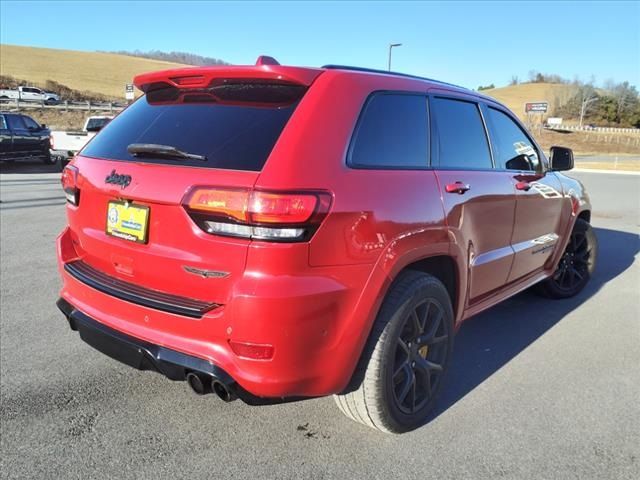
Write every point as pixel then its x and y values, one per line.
pixel 386 72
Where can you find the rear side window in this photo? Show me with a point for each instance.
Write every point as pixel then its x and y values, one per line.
pixel 15 122
pixel 233 125
pixel 513 149
pixel 391 133
pixel 461 138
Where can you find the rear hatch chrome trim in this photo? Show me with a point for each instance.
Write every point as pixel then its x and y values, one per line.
pixel 135 294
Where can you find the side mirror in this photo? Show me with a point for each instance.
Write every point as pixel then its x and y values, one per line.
pixel 43 125
pixel 561 159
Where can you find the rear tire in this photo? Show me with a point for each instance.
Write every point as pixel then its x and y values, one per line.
pixel 49 159
pixel 405 359
pixel 576 265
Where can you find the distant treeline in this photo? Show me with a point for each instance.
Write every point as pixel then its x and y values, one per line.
pixel 175 57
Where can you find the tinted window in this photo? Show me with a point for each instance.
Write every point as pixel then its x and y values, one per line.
pixel 513 149
pixel 462 141
pixel 392 132
pixel 15 122
pixel 235 126
pixel 30 123
pixel 3 123
pixel 96 124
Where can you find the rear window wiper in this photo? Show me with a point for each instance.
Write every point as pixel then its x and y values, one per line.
pixel 152 149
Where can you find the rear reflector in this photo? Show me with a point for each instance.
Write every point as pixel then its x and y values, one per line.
pixel 283 216
pixel 252 351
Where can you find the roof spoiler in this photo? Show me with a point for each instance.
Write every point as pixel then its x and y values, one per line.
pixel 266 68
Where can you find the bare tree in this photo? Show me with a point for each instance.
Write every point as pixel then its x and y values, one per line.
pixel 624 95
pixel 588 97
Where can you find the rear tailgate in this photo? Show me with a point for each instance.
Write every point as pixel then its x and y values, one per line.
pixel 174 247
pixel 233 119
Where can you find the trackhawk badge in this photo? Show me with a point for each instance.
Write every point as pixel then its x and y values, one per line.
pixel 205 273
pixel 118 179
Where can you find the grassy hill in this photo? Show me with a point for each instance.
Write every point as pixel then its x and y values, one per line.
pixel 101 73
pixel 515 96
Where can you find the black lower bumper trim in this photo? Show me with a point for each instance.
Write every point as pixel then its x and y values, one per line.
pixel 135 352
pixel 144 355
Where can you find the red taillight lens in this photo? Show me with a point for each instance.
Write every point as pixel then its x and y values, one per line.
pixel 281 216
pixel 252 351
pixel 281 208
pixel 69 182
pixel 220 202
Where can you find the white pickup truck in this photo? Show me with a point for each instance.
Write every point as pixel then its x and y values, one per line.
pixel 30 94
pixel 65 145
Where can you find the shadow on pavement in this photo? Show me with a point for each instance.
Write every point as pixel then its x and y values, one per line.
pixel 29 166
pixel 491 339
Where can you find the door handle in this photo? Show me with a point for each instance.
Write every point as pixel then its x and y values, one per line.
pixel 526 186
pixel 457 187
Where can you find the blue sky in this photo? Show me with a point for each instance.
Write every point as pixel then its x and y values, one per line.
pixel 468 43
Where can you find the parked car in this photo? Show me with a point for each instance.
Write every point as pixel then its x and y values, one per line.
pixel 22 138
pixel 275 233
pixel 65 145
pixel 30 94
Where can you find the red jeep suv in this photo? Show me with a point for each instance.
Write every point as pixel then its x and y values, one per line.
pixel 272 233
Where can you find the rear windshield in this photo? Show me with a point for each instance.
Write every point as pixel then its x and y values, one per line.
pixel 96 124
pixel 233 125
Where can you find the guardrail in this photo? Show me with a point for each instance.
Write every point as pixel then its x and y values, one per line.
pixel 578 128
pixel 16 105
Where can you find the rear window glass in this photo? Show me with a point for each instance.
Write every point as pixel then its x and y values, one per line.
pixel 391 133
pixel 96 124
pixel 233 125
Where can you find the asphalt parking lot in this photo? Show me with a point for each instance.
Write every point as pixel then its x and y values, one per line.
pixel 538 389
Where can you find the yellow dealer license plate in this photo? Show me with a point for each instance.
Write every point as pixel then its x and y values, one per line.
pixel 127 221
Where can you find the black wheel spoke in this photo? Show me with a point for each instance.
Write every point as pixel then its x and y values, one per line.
pixel 576 273
pixel 435 324
pixel 416 322
pixel 403 346
pixel 404 367
pixel 408 383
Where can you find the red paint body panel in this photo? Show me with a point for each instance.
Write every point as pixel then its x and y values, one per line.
pixel 313 301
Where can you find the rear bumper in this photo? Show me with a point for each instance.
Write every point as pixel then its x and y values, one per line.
pixel 143 355
pixel 311 319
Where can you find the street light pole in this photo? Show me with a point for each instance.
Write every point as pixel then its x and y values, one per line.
pixel 391 45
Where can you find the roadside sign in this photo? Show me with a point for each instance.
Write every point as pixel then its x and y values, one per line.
pixel 554 121
pixel 128 91
pixel 536 107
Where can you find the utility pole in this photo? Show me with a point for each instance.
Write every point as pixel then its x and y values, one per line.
pixel 391 45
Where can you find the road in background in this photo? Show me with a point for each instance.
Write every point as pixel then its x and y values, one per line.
pixel 538 388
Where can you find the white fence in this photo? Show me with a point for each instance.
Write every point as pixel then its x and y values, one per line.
pixel 633 131
pixel 65 106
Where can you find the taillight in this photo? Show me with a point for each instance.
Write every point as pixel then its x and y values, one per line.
pixel 69 181
pixel 258 214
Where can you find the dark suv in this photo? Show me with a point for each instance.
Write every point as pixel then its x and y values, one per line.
pixel 272 233
pixel 22 138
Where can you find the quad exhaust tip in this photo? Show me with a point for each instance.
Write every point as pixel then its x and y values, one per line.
pixel 202 384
